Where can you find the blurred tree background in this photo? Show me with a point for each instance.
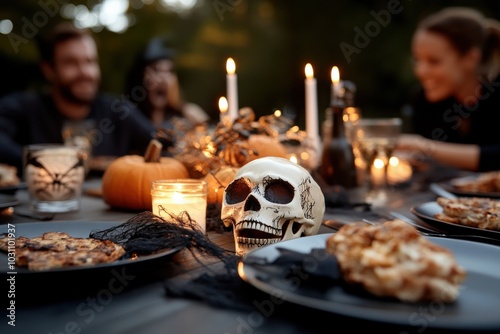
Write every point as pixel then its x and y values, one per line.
pixel 270 41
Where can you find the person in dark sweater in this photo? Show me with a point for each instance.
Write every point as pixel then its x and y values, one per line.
pixel 456 58
pixel 69 62
pixel 152 84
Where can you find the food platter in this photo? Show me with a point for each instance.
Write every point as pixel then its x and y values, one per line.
pixel 427 211
pixel 451 187
pixel 79 229
pixel 480 285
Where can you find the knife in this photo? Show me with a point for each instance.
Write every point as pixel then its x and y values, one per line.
pixel 334 223
pixel 440 191
pixel 415 224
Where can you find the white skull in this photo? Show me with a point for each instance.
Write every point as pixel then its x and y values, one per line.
pixel 271 199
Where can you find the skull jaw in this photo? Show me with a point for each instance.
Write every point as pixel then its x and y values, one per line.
pixel 245 245
pixel 250 235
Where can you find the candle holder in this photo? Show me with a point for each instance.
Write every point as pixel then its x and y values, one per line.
pixel 172 198
pixel 399 170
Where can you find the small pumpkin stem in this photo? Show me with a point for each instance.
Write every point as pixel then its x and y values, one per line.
pixel 153 152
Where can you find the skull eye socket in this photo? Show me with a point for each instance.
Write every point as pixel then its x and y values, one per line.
pixel 237 191
pixel 279 192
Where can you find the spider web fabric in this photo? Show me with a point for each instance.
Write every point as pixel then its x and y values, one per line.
pixel 146 233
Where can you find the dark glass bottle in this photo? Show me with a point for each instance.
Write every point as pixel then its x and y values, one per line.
pixel 337 159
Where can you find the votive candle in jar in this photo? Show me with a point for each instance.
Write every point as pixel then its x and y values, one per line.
pixel 173 197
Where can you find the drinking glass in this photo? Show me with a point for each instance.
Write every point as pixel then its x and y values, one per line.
pixel 54 175
pixel 375 140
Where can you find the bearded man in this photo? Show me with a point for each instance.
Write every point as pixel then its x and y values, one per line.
pixel 70 63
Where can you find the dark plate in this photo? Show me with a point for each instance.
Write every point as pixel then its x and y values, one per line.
pixel 75 229
pixel 7 201
pixel 449 185
pixel 475 309
pixel 11 190
pixel 427 211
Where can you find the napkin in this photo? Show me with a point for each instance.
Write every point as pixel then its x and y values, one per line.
pixel 226 289
pixel 222 288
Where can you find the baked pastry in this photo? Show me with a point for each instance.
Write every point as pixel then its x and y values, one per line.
pixel 8 176
pixel 483 213
pixel 484 183
pixel 393 260
pixel 58 250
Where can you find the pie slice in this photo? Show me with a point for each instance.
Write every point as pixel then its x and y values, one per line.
pixel 393 260
pixel 59 250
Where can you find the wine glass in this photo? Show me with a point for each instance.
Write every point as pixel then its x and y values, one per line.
pixel 351 116
pixel 375 139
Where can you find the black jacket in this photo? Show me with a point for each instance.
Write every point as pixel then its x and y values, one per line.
pixel 451 121
pixel 32 118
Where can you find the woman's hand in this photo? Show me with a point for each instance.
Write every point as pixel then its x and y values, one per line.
pixel 412 142
pixel 455 155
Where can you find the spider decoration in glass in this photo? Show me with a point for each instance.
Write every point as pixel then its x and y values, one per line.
pixel 56 177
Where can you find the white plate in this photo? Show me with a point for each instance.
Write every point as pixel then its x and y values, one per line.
pixel 475 309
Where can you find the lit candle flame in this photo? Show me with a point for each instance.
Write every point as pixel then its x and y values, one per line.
pixel 304 156
pixel 309 71
pixel 378 177
pixel 352 113
pixel 230 66
pixel 293 158
pixel 277 113
pixel 335 75
pixel 378 163
pixel 399 171
pixel 178 197
pixel 223 105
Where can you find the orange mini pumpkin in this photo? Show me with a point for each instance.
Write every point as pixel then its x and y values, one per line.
pixel 217 183
pixel 126 183
pixel 265 146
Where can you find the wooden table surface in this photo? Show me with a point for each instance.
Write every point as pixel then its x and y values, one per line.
pixel 139 304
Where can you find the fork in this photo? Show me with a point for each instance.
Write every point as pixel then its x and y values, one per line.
pixel 22 213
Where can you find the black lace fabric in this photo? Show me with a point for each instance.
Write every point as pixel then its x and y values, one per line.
pixel 146 233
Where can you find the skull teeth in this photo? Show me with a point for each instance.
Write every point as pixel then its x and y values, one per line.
pixel 263 231
pixel 253 242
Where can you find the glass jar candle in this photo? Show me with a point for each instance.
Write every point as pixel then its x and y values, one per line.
pixel 175 196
